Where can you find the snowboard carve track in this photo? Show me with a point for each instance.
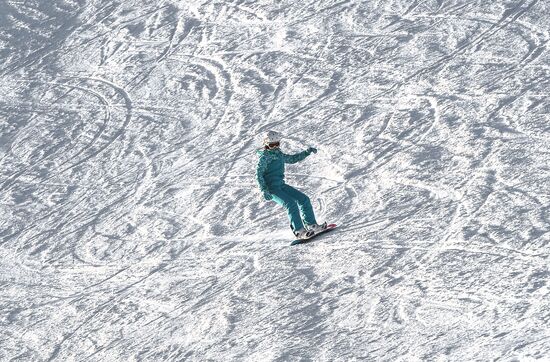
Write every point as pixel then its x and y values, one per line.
pixel 98 140
pixel 105 136
pixel 503 22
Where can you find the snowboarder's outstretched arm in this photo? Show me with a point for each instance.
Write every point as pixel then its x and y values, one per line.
pixel 299 156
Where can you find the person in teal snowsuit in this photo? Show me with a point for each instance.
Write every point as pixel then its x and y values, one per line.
pixel 270 175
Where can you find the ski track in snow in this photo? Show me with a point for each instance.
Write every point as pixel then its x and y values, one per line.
pixel 131 227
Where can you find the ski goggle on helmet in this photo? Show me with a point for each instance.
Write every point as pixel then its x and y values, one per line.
pixel 272 139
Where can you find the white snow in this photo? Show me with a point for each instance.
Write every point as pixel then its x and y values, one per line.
pixel 131 228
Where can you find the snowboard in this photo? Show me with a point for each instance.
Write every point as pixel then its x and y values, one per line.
pixel 330 227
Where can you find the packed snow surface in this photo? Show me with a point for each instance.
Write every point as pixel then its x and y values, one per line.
pixel 131 228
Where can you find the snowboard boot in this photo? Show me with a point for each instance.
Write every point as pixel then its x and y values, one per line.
pixel 303 233
pixel 316 228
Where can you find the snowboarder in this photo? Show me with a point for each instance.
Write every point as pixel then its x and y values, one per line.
pixel 270 174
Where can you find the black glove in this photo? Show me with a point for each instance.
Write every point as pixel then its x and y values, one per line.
pixel 311 150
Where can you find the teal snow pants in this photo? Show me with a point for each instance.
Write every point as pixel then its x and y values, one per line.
pixel 297 205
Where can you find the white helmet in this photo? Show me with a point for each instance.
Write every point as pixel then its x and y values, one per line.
pixel 272 137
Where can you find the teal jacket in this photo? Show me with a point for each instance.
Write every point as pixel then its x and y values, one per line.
pixel 270 172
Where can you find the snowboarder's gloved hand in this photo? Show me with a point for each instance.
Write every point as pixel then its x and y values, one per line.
pixel 267 196
pixel 311 150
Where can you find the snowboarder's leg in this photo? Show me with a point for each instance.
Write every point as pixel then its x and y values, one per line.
pixel 304 204
pixel 292 209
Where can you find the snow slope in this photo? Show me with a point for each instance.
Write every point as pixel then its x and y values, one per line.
pixel 130 224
